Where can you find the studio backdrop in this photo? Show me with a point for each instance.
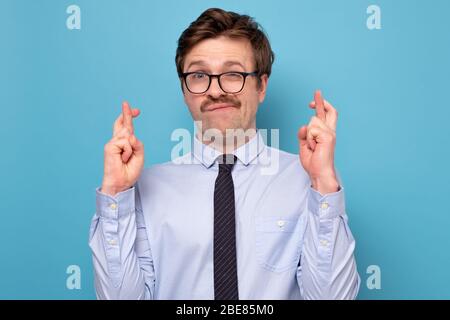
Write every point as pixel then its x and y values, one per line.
pixel 66 67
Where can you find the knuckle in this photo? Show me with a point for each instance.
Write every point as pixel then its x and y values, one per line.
pixel 123 141
pixel 108 147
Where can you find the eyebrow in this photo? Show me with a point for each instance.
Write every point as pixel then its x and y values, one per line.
pixel 234 63
pixel 226 64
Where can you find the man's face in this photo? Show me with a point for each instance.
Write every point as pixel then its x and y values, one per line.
pixel 215 108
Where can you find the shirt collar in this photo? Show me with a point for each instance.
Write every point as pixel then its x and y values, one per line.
pixel 246 153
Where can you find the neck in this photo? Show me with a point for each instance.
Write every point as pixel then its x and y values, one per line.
pixel 228 141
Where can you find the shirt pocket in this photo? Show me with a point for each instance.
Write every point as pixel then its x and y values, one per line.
pixel 278 242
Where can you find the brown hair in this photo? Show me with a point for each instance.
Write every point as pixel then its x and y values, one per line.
pixel 216 22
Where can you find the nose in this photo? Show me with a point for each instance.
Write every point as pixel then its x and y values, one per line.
pixel 214 89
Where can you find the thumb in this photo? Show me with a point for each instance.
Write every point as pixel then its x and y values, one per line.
pixel 302 134
pixel 305 150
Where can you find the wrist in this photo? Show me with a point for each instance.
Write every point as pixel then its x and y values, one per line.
pixel 325 184
pixel 110 190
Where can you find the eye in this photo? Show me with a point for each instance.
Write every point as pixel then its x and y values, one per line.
pixel 233 76
pixel 198 76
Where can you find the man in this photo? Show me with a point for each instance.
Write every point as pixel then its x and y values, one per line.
pixel 213 224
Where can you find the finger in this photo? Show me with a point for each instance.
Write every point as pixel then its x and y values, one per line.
pixel 302 136
pixel 305 142
pixel 118 124
pixel 315 121
pixel 304 146
pixel 311 143
pixel 138 146
pixel 124 143
pixel 320 109
pixel 120 146
pixel 331 114
pixel 127 116
pixel 135 112
pixel 321 134
pixel 311 138
pixel 123 133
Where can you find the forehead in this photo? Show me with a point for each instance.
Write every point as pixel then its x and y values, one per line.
pixel 219 52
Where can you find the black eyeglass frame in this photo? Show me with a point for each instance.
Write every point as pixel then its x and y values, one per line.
pixel 210 76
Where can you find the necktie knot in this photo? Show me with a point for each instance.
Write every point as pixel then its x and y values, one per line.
pixel 226 162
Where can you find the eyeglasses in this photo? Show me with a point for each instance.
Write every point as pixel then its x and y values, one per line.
pixel 229 82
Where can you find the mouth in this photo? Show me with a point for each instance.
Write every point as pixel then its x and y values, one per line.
pixel 220 106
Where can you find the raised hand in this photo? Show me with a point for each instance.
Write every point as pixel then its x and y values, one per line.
pixel 123 154
pixel 317 143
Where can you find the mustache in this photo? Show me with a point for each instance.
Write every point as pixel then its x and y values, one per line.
pixel 222 99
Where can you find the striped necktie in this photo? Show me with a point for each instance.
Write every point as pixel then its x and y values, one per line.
pixel 225 266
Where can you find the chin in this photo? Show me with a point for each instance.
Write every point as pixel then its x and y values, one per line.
pixel 222 124
pixel 224 127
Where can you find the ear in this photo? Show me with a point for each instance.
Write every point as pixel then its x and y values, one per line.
pixel 263 87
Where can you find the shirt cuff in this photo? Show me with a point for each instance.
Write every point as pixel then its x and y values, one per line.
pixel 328 206
pixel 114 207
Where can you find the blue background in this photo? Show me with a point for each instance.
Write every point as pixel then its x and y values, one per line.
pixel 60 91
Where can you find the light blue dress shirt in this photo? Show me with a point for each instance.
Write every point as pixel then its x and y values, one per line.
pixel 155 240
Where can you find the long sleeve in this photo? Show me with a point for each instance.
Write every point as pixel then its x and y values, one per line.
pixel 122 257
pixel 327 268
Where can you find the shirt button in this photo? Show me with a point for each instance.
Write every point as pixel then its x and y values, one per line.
pixel 112 242
pixel 324 243
pixel 324 205
pixel 281 223
pixel 113 206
